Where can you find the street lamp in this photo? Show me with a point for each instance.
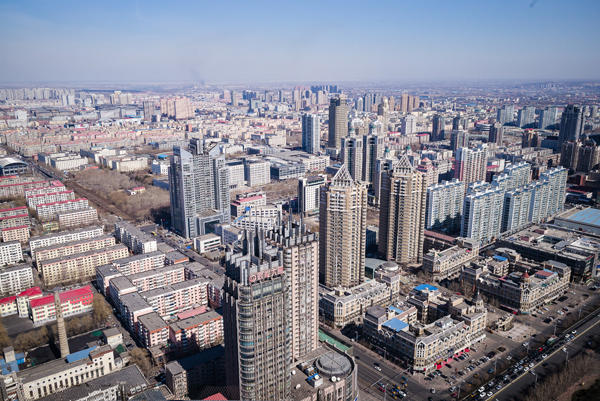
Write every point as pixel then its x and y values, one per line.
pixel 566 351
pixel 536 376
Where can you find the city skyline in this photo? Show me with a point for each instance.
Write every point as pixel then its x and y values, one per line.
pixel 205 42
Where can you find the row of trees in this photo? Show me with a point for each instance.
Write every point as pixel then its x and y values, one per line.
pixel 43 335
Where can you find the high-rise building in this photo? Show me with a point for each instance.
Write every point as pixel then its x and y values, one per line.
pixel 402 213
pixel 506 114
pixel 199 189
pixel 571 124
pixel 381 167
pixel 444 205
pixel 352 156
pixel 429 171
pixel 373 146
pixel 409 125
pixel 557 179
pixel 300 249
pixel 404 103
pixel 148 110
pixel 589 156
pixel 569 154
pixel 526 117
pixel 459 123
pixel 548 118
pixel 342 231
pixel 459 139
pixel 256 322
pixel 309 194
pixel 338 121
pixel 496 134
pixel 471 164
pixel 482 214
pixel 515 214
pixel 540 194
pixel 514 176
pixel 437 131
pixel 311 133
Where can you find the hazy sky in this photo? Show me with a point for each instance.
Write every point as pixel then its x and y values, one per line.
pixel 266 41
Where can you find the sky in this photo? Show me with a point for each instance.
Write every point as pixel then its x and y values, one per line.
pixel 222 41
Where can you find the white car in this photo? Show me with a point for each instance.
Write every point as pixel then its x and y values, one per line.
pixel 377 368
pixel 544 356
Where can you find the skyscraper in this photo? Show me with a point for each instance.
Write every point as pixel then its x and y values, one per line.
pixel 496 134
pixel 471 164
pixel 373 146
pixel 571 124
pixel 437 131
pixel 515 214
pixel 199 189
pixel 526 117
pixel 402 213
pixel 311 133
pixel 342 231
pixel 338 121
pixel 459 123
pixel 148 110
pixel 557 180
pixel 459 139
pixel 548 118
pixel 352 156
pixel 300 249
pixel 256 322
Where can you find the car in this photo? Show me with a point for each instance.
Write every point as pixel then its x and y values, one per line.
pixel 489 394
pixel 544 356
pixel 498 387
pixel 508 357
pixel 531 364
pixel 574 332
pixel 449 366
pixel 454 395
pixel 432 390
pixel 377 368
pixel 481 389
pixel 526 368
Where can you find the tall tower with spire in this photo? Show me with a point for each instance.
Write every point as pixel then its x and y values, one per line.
pixel 342 231
pixel 63 340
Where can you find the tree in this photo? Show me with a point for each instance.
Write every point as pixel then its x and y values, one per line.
pixel 4 338
pixel 141 358
pixel 101 310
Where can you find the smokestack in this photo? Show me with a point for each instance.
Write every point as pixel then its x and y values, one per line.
pixel 63 340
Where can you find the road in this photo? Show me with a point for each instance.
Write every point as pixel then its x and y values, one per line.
pixel 558 357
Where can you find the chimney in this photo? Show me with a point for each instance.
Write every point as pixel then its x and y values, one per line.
pixel 63 340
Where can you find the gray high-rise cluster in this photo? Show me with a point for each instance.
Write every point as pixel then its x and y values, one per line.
pixel 338 121
pixel 199 189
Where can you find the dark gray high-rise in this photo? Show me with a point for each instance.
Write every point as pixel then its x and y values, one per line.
pixel 338 121
pixel 256 322
pixel 311 133
pixel 437 131
pixel 571 124
pixel 199 189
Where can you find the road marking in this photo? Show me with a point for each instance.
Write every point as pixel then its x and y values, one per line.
pixel 579 334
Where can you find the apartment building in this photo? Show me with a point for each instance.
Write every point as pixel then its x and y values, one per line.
pixel 17 189
pixel 79 266
pixel 73 302
pixel 157 278
pixel 19 303
pixel 135 239
pixel 17 233
pixel 10 253
pixel 207 243
pixel 177 297
pixel 50 187
pixel 63 236
pixel 152 330
pixel 215 281
pixel 73 247
pixel 257 172
pixel 197 332
pixel 15 279
pixel 444 205
pixel 34 200
pixel 48 211
pixel 76 218
pixel 13 211
pixel 15 221
pixel 128 266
